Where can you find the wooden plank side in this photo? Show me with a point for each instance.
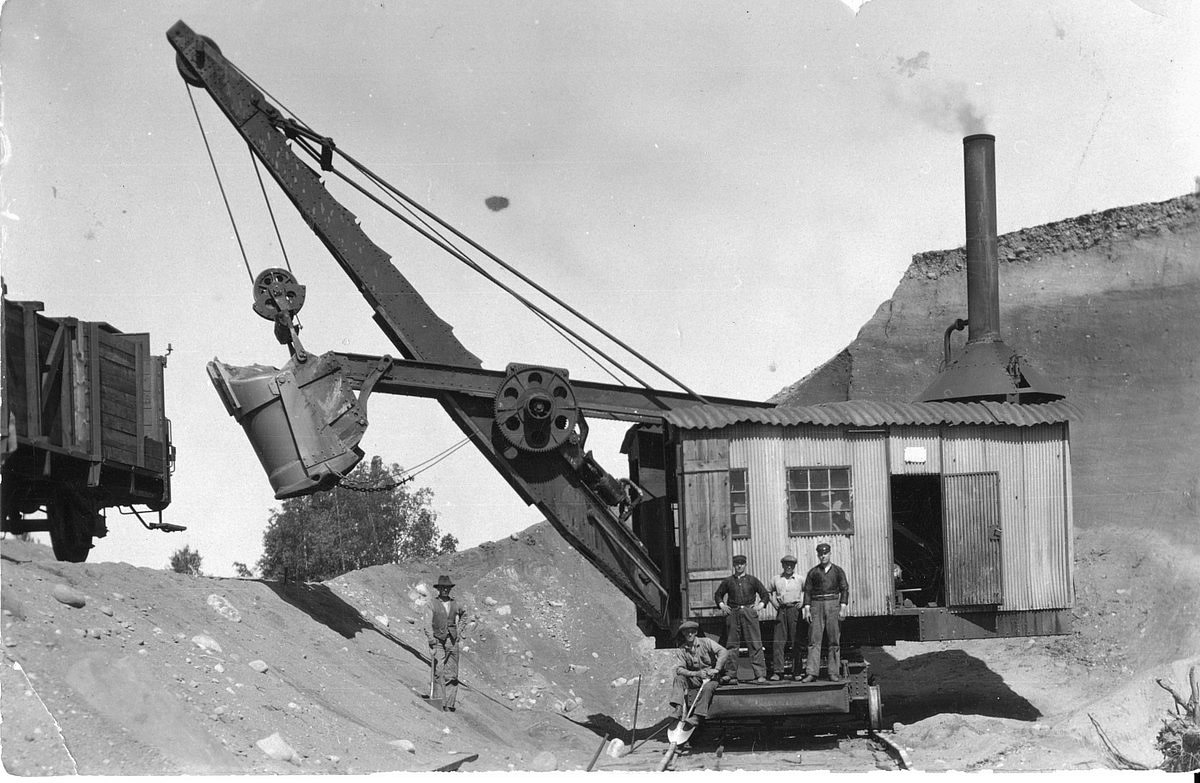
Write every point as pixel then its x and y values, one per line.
pixel 700 594
pixel 705 454
pixel 706 506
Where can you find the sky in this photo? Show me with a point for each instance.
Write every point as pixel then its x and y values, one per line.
pixel 731 189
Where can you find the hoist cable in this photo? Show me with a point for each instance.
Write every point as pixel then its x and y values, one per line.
pixel 411 474
pixel 455 252
pixel 524 278
pixel 446 245
pixel 220 185
pixel 459 254
pixel 270 211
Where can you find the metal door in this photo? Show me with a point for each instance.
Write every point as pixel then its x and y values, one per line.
pixel 971 525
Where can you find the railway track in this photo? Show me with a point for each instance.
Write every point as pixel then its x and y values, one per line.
pixel 766 749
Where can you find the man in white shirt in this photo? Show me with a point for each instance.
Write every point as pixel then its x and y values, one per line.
pixel 787 594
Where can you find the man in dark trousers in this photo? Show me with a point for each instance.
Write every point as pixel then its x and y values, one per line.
pixel 700 661
pixel 443 636
pixel 826 593
pixel 787 594
pixel 738 597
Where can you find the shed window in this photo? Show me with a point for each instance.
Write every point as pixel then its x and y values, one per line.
pixel 820 500
pixel 739 504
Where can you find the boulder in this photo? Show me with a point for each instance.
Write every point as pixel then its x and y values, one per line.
pixel 69 596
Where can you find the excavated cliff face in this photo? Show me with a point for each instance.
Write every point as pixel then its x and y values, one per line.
pixel 1105 305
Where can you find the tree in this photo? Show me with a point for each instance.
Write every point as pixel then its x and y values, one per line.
pixel 320 536
pixel 241 570
pixel 186 561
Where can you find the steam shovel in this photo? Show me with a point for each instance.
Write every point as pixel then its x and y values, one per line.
pixel 681 731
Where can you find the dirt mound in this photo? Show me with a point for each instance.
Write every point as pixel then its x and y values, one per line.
pixel 162 673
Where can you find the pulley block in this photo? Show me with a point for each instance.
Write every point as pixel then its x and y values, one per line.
pixel 276 293
pixel 185 68
pixel 536 408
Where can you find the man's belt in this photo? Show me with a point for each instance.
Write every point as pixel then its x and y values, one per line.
pixel 826 596
pixel 792 605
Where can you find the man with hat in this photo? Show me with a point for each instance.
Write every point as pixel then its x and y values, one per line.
pixel 738 596
pixel 443 636
pixel 700 661
pixel 787 593
pixel 826 593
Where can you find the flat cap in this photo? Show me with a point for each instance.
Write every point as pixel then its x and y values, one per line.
pixel 739 559
pixel 788 559
pixel 689 625
pixel 822 548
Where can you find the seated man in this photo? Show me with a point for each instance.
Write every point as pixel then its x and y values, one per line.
pixel 701 661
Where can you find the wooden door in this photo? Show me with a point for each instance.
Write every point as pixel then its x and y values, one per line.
pixel 706 522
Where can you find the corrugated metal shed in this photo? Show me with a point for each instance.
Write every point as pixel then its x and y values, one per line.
pixel 868 413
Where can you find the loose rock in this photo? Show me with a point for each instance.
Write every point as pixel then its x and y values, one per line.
pixel 220 604
pixel 259 666
pixel 206 643
pixel 277 748
pixel 69 596
pixel 404 745
pixel 544 762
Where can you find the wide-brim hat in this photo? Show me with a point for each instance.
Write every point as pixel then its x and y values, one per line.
pixel 688 624
pixel 822 548
pixel 443 581
pixel 788 559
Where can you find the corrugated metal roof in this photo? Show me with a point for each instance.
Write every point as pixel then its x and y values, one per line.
pixel 869 413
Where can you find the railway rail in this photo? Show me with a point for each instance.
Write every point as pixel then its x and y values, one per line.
pixel 764 749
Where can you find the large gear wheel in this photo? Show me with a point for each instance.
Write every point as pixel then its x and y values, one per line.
pixel 536 408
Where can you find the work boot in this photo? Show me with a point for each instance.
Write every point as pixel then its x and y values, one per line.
pixel 807 678
pixel 759 680
pixel 774 678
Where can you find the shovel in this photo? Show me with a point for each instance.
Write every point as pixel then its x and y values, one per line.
pixel 437 703
pixel 681 732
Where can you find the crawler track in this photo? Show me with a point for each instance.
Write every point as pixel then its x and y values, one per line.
pixel 762 750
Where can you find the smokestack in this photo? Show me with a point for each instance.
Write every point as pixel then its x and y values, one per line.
pixel 983 249
pixel 986 369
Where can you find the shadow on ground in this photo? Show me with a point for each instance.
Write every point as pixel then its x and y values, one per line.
pixel 946 681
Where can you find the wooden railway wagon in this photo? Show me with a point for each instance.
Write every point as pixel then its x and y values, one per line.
pixel 86 427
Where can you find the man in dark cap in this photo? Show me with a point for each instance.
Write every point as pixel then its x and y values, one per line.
pixel 443 634
pixel 787 593
pixel 826 593
pixel 700 661
pixel 738 597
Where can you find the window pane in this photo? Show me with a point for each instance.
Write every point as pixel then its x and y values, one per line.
pixel 839 478
pixel 840 499
pixel 737 480
pixel 842 522
pixel 797 478
pixel 798 523
pixel 821 521
pixel 821 500
pixel 797 501
pixel 819 478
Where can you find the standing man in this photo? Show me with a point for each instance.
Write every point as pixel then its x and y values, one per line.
pixel 443 636
pixel 738 596
pixel 826 593
pixel 787 593
pixel 700 661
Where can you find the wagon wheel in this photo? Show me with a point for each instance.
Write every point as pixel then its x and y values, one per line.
pixel 71 524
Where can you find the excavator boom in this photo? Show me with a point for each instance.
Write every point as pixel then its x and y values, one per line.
pixel 527 421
